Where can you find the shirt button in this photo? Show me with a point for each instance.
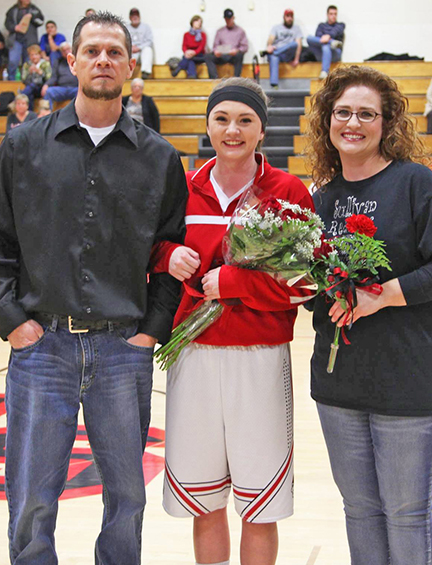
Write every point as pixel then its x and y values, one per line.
pixel 92 182
pixel 88 310
pixel 87 246
pixel 90 214
pixel 86 278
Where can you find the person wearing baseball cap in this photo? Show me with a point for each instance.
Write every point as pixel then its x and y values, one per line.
pixel 284 45
pixel 142 42
pixel 230 45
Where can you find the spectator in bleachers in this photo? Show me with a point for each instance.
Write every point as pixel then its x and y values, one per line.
pixel 62 85
pixel 44 109
pixel 140 106
pixel 327 42
pixel 194 46
pixel 22 21
pixel 35 74
pixel 50 42
pixel 428 108
pixel 142 42
pixel 229 46
pixel 284 45
pixel 90 12
pixel 20 112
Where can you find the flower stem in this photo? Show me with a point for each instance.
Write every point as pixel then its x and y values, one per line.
pixel 333 350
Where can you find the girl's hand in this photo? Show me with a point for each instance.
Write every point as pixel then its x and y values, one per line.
pixel 183 263
pixel 210 284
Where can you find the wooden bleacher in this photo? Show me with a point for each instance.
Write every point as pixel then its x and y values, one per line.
pixel 182 103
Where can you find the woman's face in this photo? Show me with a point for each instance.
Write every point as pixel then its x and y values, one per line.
pixel 354 139
pixel 21 107
pixel 197 24
pixel 234 130
pixel 137 90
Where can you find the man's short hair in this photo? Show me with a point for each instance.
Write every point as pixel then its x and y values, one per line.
pixel 64 44
pixel 50 22
pixel 103 18
pixel 331 7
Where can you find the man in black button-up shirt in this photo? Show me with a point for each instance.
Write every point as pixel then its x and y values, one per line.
pixel 84 194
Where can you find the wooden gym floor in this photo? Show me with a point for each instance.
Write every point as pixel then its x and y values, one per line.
pixel 315 535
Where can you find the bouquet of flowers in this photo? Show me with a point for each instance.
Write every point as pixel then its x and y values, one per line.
pixel 347 263
pixel 265 234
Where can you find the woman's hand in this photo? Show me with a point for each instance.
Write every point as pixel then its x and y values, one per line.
pixel 183 263
pixel 369 303
pixel 210 284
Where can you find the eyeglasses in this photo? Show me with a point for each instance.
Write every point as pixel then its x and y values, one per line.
pixel 365 116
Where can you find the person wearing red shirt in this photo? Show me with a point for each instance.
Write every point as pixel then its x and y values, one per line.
pixel 194 46
pixel 229 394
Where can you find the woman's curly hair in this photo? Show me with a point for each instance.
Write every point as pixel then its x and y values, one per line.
pixel 399 138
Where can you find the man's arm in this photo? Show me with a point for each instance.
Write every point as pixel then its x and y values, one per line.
pixel 12 314
pixel 37 16
pixel 164 290
pixel 243 45
pixel 270 41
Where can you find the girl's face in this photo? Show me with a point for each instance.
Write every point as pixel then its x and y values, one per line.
pixel 234 130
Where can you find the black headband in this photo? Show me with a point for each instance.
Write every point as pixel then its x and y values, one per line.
pixel 239 94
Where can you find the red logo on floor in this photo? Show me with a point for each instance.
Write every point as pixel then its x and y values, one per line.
pixel 83 478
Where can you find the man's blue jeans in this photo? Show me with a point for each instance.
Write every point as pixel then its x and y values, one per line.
pixel 382 466
pixel 45 384
pixel 323 52
pixel 60 93
pixel 283 54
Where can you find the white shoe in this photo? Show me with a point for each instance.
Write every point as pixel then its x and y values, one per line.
pixel 323 75
pixel 335 44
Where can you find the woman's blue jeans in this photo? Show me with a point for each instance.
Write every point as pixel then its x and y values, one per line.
pixel 382 466
pixel 45 384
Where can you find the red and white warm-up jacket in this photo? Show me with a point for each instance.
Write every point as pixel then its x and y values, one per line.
pixel 259 310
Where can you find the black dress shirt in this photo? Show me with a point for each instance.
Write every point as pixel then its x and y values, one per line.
pixel 77 223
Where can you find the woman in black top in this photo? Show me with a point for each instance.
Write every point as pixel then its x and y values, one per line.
pixel 142 107
pixel 376 407
pixel 20 112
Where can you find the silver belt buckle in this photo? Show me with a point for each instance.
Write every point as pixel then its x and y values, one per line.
pixel 71 328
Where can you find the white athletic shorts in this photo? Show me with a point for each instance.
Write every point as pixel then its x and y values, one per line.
pixel 229 421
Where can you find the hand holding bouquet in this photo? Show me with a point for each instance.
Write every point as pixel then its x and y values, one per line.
pixel 348 263
pixel 264 234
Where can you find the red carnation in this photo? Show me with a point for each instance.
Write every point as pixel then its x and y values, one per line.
pixel 287 214
pixel 269 204
pixel 323 251
pixel 361 224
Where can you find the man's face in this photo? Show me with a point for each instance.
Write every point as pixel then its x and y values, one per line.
pixel 65 51
pixel 229 22
pixel 332 16
pixel 51 29
pixel 24 3
pixel 289 20
pixel 135 20
pixel 102 63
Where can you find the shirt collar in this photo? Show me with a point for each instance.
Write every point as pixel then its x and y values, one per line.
pixel 68 118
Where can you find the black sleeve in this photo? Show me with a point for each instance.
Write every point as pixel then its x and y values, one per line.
pixel 10 21
pixel 37 17
pixel 417 285
pixel 163 289
pixel 154 115
pixel 12 314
